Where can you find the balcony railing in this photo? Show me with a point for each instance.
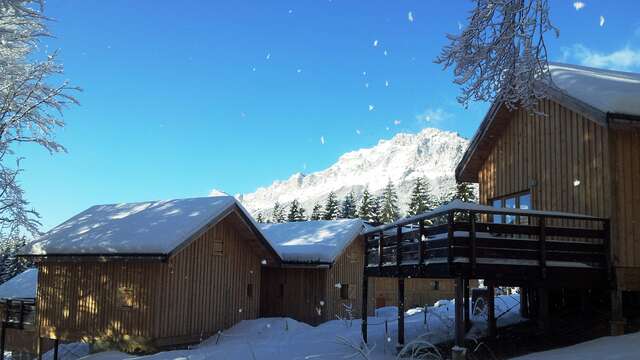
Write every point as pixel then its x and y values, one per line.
pixel 462 233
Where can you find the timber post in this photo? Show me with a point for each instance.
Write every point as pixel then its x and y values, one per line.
pixel 524 302
pixel 400 344
pixel 56 342
pixel 459 314
pixel 617 322
pixel 491 310
pixel 365 291
pixel 40 345
pixel 4 334
pixel 466 304
pixel 543 248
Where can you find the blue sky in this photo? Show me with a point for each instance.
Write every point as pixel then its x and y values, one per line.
pixel 183 97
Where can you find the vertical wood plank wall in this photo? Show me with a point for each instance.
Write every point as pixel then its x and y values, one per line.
pixel 418 292
pixel 562 158
pixel 82 300
pixel 302 292
pixel 626 219
pixel 201 292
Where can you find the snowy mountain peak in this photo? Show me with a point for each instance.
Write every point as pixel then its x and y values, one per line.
pixel 432 153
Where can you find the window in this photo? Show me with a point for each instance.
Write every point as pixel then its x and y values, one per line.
pixel 249 290
pixel 435 285
pixel 516 201
pixel 344 291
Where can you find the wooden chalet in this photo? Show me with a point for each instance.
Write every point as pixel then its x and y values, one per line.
pixel 149 275
pixel 320 277
pixel 559 201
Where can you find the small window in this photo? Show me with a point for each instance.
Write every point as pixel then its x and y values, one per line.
pixel 436 285
pixel 249 290
pixel 218 247
pixel 344 291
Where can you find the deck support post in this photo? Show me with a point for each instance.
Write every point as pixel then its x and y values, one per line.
pixel 543 309
pixel 400 313
pixel 467 305
pixel 524 302
pixel 365 295
pixel 4 334
pixel 459 314
pixel 617 319
pixel 491 310
pixel 40 345
pixel 56 342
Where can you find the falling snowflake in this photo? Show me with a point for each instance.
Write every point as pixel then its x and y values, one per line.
pixel 578 5
pixel 240 310
pixel 290 11
pixel 364 73
pixel 386 83
pixel 396 122
pixel 387 128
pixel 253 69
pixel 268 326
pixel 366 85
pixel 576 182
pixel 358 131
pixel 299 71
pixel 371 107
pixel 243 114
pixel 263 262
pixel 386 53
pixel 321 303
pixel 375 43
pixel 601 21
pixel 338 286
pixel 459 25
pixel 268 56
pixel 410 16
pixel 322 140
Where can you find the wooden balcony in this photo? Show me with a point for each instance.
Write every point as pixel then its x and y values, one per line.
pixel 460 240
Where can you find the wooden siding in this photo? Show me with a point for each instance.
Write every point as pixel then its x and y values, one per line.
pixel 546 155
pixel 294 293
pixel 348 269
pixel 626 193
pixel 202 292
pixel 194 294
pixel 417 292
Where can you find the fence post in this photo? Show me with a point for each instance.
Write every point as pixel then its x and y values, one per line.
pixel 421 243
pixel 450 234
pixel 543 248
pixel 365 295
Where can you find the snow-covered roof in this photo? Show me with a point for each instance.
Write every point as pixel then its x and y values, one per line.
pixel 319 241
pixel 155 227
pixel 606 90
pixel 21 286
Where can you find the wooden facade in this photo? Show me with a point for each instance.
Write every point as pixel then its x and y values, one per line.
pixel 207 286
pixel 314 293
pixel 417 292
pixel 570 161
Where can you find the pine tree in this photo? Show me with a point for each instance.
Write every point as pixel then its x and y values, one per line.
pixel 316 213
pixel 349 209
pixel 421 198
pixel 278 213
pixel 331 207
pixel 296 212
pixel 367 204
pixel 376 210
pixel 260 219
pixel 464 192
pixel 389 211
pixel 10 264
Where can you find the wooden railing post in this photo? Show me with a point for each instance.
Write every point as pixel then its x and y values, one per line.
pixel 365 298
pixel 472 241
pixel 399 247
pixel 380 250
pixel 450 234
pixel 543 247
pixel 421 243
pixel 606 244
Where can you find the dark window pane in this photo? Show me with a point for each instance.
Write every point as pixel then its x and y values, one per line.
pixel 510 203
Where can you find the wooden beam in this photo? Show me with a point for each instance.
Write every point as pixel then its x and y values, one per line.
pixel 491 310
pixel 400 312
pixel 459 315
pixel 365 295
pixel 467 305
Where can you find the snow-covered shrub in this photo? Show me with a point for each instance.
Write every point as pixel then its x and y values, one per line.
pixel 420 349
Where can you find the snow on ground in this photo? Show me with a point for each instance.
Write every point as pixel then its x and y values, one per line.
pixel 287 339
pixel 625 347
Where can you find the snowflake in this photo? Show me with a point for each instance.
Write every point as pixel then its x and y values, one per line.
pixel 299 71
pixel 263 262
pixel 576 182
pixel 396 122
pixel 410 16
pixel 268 56
pixel 358 131
pixel 371 107
pixel 366 85
pixel 322 140
pixel 601 21
pixel 578 5
pixel 375 43
pixel 386 53
pixel 386 83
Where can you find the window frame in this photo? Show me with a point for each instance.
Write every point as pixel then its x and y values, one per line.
pixel 517 196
